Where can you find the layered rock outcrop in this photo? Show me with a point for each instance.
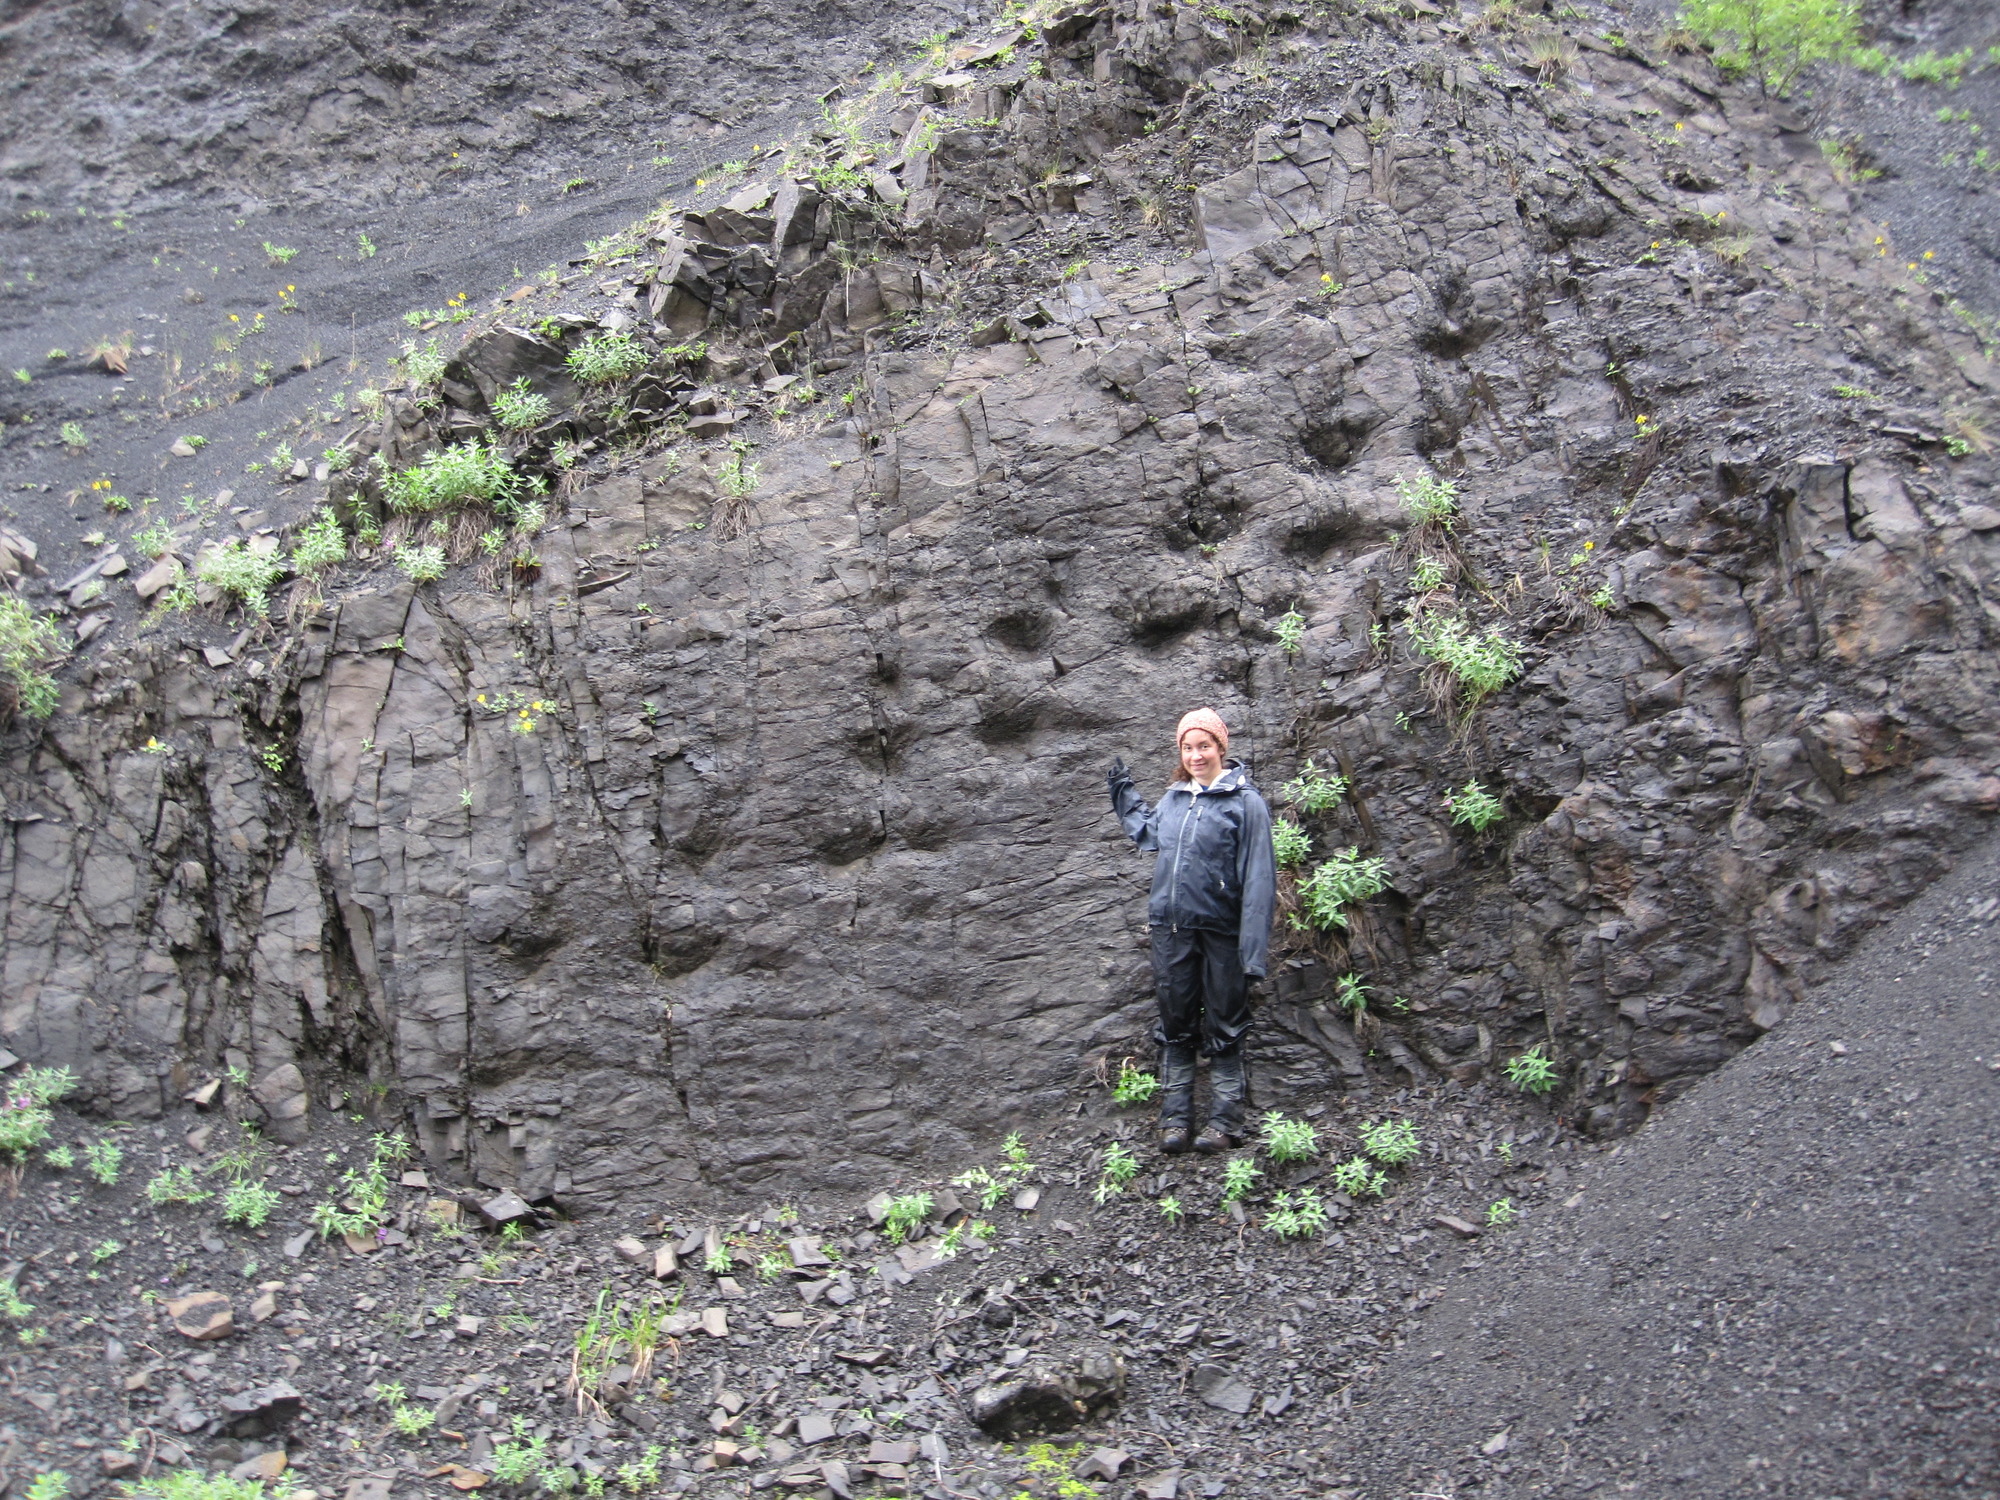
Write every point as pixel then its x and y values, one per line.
pixel 742 838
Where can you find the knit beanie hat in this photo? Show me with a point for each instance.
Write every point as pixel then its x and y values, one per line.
pixel 1203 718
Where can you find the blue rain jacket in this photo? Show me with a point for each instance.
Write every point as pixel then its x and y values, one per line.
pixel 1214 869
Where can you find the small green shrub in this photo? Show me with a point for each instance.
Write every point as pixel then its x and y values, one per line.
pixel 1289 844
pixel 1288 1140
pixel 906 1215
pixel 605 357
pixel 176 1185
pixel 423 366
pixel 321 544
pixel 412 1421
pixel 1358 1177
pixel 1313 790
pixel 1501 1213
pixel 239 573
pixel 1337 884
pixel 73 436
pixel 450 479
pixel 1473 805
pixel 1171 1210
pixel 518 408
pixel 26 641
pixel 421 562
pixel 1350 994
pixel 1427 577
pixel 1133 1085
pixel 1532 1072
pixel 1774 40
pixel 154 541
pixel 1291 632
pixel 1390 1141
pixel 738 476
pixel 1481 663
pixel 1428 501
pixel 102 1159
pixel 1120 1167
pixel 248 1203
pixel 59 1158
pixel 1239 1175
pixel 1295 1216
pixel 52 1485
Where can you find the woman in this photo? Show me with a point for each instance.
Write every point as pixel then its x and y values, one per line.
pixel 1210 914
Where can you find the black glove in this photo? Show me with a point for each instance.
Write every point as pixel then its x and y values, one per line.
pixel 1118 772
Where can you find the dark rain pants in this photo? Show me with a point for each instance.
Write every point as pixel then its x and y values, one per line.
pixel 1204 1001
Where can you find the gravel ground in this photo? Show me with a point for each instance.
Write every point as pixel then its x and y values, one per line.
pixel 1785 1285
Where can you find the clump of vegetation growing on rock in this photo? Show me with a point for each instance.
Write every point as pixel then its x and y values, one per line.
pixel 1313 790
pixel 1002 1182
pixel 1773 41
pixel 1337 884
pixel 905 1216
pixel 1288 1140
pixel 1295 1216
pixel 1532 1072
pixel 605 357
pixel 176 1185
pixel 1474 806
pixel 1120 1167
pixel 1428 501
pixel 321 544
pixel 26 641
pixel 423 366
pixel 1480 662
pixel 421 562
pixel 1390 1141
pixel 25 1114
pixel 1238 1177
pixel 518 408
pixel 1291 632
pixel 239 573
pixel 1289 844
pixel 364 1192
pixel 1133 1085
pixel 1358 1177
pixel 451 479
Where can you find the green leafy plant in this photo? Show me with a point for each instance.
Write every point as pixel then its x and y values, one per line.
pixel 412 1421
pixel 1473 805
pixel 1428 575
pixel 279 254
pixel 176 1185
pixel 451 479
pixel 1390 1141
pixel 1288 1140
pixel 737 477
pixel 103 1250
pixel 1337 884
pixel 73 436
pixel 1291 632
pixel 1531 1071
pixel 1358 1177
pixel 518 408
pixel 103 1158
pixel 1171 1211
pixel 1133 1085
pixel 423 366
pixel 154 541
pixel 1481 663
pixel 1295 1216
pixel 1350 994
pixel 61 1158
pixel 1120 1167
pixel 718 1262
pixel 603 358
pixel 321 544
pixel 1314 790
pixel 1289 844
pixel 239 573
pixel 1501 1213
pixel 1774 40
pixel 51 1485
pixel 421 562
pixel 1429 501
pixel 1239 1175
pixel 27 640
pixel 248 1203
pixel 642 1473
pixel 906 1215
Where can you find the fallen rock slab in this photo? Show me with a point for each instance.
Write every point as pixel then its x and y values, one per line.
pixel 202 1315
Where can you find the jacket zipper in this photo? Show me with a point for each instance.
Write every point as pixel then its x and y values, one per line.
pixel 1180 847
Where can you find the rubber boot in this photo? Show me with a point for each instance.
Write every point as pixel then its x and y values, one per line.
pixel 1227 1087
pixel 1176 1096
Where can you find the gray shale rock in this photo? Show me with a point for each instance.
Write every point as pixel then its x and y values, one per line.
pixel 1049 1395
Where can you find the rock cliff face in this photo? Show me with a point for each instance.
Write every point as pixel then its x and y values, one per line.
pixel 737 838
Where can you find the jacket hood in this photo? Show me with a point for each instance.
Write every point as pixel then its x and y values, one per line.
pixel 1235 777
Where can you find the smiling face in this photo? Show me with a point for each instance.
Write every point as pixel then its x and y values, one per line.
pixel 1201 757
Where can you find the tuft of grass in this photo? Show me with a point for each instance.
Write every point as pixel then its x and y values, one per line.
pixel 248 1203
pixel 176 1185
pixel 279 254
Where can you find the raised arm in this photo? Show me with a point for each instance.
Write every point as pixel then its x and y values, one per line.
pixel 1134 816
pixel 1257 878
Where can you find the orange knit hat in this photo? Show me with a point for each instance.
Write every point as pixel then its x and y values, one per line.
pixel 1203 718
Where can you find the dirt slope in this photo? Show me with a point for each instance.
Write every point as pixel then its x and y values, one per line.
pixel 1785 1285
